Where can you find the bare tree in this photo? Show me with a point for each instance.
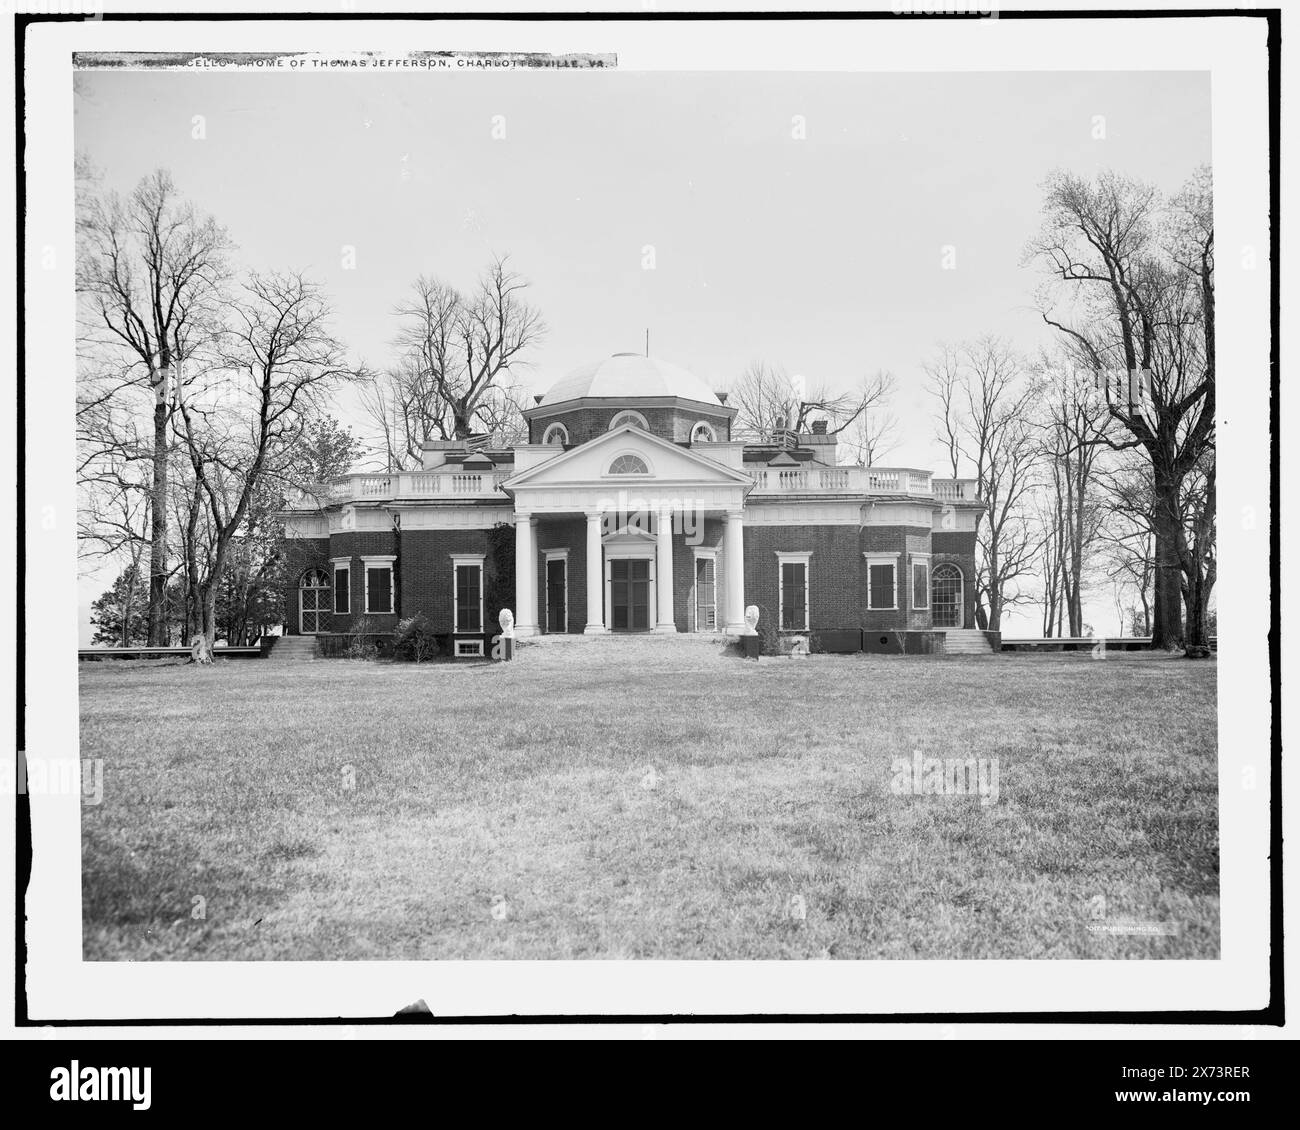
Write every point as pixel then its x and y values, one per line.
pixel 243 417
pixel 984 411
pixel 874 434
pixel 1126 536
pixel 769 400
pixel 1136 283
pixel 456 352
pixel 150 270
pixel 1072 427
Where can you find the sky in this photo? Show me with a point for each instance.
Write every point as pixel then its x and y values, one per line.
pixel 822 254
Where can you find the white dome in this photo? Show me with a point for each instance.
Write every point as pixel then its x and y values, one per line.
pixel 630 376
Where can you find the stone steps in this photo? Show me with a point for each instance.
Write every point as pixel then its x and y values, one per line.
pixel 293 649
pixel 966 641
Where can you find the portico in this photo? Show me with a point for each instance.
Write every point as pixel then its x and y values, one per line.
pixel 643 503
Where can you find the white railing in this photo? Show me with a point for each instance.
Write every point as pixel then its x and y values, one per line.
pixel 956 490
pixel 860 480
pixel 404 484
pixel 767 480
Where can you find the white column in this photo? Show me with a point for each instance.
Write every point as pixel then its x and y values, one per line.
pixel 733 550
pixel 664 572
pixel 595 577
pixel 525 577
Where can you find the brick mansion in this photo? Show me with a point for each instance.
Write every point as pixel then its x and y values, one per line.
pixel 632 509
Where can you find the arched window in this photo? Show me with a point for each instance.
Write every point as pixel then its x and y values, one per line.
pixel 556 433
pixel 629 417
pixel 947 608
pixel 313 602
pixel 629 465
pixel 703 433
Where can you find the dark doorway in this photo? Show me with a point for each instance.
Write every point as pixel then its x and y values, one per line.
pixel 629 594
pixel 557 590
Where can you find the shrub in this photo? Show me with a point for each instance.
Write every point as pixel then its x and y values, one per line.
pixel 413 638
pixel 360 642
pixel 768 631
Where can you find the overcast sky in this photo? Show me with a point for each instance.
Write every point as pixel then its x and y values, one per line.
pixel 822 255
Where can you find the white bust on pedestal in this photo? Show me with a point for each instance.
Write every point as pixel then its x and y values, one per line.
pixel 751 620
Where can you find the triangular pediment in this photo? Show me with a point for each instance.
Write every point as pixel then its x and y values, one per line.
pixel 591 463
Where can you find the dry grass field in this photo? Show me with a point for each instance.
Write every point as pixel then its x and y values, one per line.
pixel 650 799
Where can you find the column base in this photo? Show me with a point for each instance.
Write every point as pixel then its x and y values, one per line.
pixel 741 629
pixel 523 631
pixel 666 629
pixel 594 630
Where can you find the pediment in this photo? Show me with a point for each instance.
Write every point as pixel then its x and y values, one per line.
pixel 590 464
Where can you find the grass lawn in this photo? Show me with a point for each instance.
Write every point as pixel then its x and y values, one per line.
pixel 649 799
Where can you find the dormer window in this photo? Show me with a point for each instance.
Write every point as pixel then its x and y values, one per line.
pixel 629 465
pixel 629 417
pixel 556 434
pixel 703 433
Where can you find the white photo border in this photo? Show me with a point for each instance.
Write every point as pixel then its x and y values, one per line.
pixel 63 987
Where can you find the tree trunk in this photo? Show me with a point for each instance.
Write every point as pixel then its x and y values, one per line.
pixel 201 652
pixel 1198 638
pixel 1167 576
pixel 158 517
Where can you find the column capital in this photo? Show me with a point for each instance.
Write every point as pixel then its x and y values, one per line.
pixel 596 514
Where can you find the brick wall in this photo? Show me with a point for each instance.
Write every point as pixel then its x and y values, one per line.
pixel 570 534
pixel 368 543
pixel 427 578
pixel 301 554
pixel 585 424
pixel 958 548
pixel 836 572
pixel 708 535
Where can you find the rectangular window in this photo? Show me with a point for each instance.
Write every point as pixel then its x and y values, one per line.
pixel 920 584
pixel 342 589
pixel 880 584
pixel 706 605
pixel 379 588
pixel 794 596
pixel 468 596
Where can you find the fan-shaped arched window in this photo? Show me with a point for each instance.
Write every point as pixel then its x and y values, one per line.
pixel 556 433
pixel 628 417
pixel 703 433
pixel 629 465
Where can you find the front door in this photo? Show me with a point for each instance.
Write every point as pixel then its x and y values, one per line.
pixel 556 593
pixel 629 594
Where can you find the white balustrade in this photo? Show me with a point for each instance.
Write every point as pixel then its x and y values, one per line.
pixel 406 484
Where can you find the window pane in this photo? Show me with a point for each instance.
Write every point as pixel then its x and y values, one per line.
pixel 342 589
pixel 882 586
pixel 468 579
pixel 705 608
pixel 379 583
pixel 793 586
